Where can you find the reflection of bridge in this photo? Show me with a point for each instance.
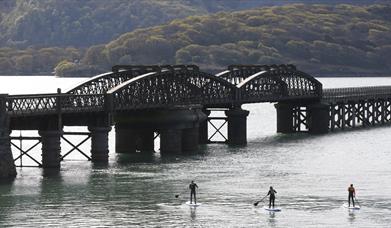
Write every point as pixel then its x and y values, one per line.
pixel 175 101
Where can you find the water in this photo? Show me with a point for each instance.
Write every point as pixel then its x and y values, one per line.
pixel 310 173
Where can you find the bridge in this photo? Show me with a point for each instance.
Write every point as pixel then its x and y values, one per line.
pixel 175 101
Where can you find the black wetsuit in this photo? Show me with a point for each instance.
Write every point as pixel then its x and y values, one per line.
pixel 352 192
pixel 193 187
pixel 272 197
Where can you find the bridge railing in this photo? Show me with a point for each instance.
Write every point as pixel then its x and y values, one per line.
pixel 44 104
pixel 356 93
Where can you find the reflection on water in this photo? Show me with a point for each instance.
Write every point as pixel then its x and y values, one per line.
pixel 311 174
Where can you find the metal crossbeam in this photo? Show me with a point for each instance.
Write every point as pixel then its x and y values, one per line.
pixel 76 147
pixel 25 152
pixel 217 129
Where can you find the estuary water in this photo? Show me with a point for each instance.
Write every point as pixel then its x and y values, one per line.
pixel 311 175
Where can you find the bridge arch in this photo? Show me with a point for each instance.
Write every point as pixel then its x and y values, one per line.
pixel 172 86
pixel 100 84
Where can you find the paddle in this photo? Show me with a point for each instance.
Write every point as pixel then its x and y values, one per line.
pixel 256 203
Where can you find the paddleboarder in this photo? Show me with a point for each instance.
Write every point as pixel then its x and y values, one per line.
pixel 272 196
pixel 352 194
pixel 192 187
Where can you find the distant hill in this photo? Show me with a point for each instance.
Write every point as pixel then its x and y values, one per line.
pixel 321 39
pixel 82 23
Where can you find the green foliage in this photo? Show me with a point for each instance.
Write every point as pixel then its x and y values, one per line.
pixel 318 38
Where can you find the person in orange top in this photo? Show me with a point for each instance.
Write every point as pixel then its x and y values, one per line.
pixel 352 194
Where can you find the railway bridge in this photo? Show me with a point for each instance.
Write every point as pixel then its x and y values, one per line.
pixel 175 101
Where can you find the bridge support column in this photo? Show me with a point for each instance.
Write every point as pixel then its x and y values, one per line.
pixel 237 126
pixel 319 116
pixel 7 166
pixel 171 141
pixel 51 148
pixel 99 143
pixel 284 118
pixel 190 139
pixel 203 129
pixel 145 142
pixel 125 139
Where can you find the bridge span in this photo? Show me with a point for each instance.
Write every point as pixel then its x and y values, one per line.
pixel 175 102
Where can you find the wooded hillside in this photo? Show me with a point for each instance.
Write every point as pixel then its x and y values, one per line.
pixel 341 39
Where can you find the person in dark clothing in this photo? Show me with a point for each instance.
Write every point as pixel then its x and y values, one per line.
pixel 272 196
pixel 192 188
pixel 352 194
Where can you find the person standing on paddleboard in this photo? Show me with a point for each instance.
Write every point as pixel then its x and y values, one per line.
pixel 272 196
pixel 192 187
pixel 352 194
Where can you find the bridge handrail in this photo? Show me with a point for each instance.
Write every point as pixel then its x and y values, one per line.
pixel 356 93
pixel 28 104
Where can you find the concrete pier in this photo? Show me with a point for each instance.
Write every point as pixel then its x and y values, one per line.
pixel 237 126
pixel 284 118
pixel 99 143
pixel 51 148
pixel 319 117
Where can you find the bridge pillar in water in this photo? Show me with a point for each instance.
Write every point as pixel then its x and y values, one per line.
pixel 128 139
pixel 319 116
pixel 99 143
pixel 171 141
pixel 7 166
pixel 190 139
pixel 284 118
pixel 203 129
pixel 237 126
pixel 51 148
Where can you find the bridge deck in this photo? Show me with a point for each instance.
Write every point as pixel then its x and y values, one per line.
pixel 336 95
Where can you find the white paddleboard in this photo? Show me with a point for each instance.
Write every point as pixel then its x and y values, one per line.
pixel 356 207
pixel 193 204
pixel 274 209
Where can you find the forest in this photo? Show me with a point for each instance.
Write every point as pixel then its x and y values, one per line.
pixel 324 39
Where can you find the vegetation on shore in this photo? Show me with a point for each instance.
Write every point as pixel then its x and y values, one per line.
pixel 320 39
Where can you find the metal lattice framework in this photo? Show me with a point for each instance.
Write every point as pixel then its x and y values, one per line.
pixel 172 86
pixel 136 87
pixel 100 84
pixel 259 83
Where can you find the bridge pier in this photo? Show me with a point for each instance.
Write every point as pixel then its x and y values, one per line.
pixel 51 148
pixel 319 116
pixel 237 126
pixel 171 141
pixel 125 139
pixel 99 143
pixel 284 118
pixel 7 166
pixel 190 139
pixel 203 129
pixel 129 139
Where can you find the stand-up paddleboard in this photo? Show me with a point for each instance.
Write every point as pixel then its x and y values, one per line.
pixel 273 209
pixel 356 207
pixel 193 204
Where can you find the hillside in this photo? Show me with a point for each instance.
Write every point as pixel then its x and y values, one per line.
pixel 321 39
pixel 82 23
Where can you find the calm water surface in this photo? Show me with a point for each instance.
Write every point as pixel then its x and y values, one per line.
pixel 310 173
